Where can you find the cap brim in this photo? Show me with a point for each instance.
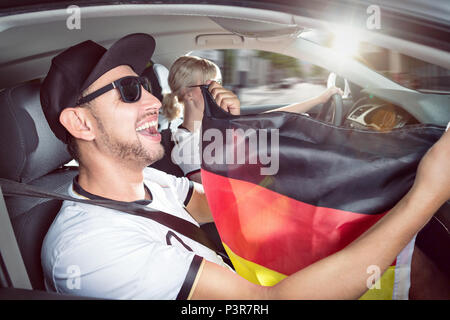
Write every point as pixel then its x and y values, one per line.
pixel 134 50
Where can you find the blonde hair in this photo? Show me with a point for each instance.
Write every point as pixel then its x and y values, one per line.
pixel 184 72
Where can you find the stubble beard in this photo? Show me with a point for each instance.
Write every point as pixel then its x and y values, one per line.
pixel 133 152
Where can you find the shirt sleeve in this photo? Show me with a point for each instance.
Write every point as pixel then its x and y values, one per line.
pixel 182 187
pixel 126 269
pixel 191 278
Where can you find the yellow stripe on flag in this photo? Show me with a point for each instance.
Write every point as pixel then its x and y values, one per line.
pixel 260 275
pixel 385 287
pixel 253 272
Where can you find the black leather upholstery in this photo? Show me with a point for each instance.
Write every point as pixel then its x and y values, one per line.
pixel 31 153
pixel 29 148
pixel 158 75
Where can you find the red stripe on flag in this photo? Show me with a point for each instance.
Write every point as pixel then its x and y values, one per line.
pixel 276 231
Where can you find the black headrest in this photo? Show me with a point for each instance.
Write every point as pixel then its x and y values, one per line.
pixel 29 149
pixel 158 76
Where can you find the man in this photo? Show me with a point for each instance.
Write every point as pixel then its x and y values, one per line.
pixel 93 100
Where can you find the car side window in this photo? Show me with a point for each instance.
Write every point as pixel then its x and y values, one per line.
pixel 261 78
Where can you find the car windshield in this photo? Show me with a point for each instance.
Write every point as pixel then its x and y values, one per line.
pixel 403 69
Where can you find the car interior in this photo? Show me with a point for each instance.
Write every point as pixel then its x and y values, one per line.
pixel 31 154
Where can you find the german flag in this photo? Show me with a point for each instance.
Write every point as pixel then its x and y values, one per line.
pixel 287 190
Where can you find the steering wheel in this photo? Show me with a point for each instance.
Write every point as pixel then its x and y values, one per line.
pixel 332 110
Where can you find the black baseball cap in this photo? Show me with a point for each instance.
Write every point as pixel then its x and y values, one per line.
pixel 76 68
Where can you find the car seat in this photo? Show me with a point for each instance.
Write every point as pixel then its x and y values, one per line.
pixel 31 154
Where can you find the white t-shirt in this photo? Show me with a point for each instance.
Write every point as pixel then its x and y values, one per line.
pixel 99 252
pixel 186 152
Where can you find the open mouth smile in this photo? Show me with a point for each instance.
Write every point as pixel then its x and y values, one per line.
pixel 149 129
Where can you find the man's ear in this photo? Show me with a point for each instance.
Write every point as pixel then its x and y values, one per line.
pixel 76 121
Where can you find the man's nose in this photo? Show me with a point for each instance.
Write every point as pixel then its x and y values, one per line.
pixel 149 100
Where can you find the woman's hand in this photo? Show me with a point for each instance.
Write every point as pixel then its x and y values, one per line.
pixel 226 99
pixel 328 93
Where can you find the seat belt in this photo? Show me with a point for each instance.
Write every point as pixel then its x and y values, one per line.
pixel 184 227
pixel 13 272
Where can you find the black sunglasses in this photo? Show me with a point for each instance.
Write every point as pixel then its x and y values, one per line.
pixel 129 88
pixel 205 85
pixel 199 85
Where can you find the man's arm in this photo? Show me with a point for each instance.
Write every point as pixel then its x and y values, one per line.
pixel 198 205
pixel 343 275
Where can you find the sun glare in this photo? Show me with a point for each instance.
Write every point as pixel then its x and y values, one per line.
pixel 346 41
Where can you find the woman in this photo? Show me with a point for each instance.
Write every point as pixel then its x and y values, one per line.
pixel 185 75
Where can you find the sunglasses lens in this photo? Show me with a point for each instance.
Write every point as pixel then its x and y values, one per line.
pixel 131 89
